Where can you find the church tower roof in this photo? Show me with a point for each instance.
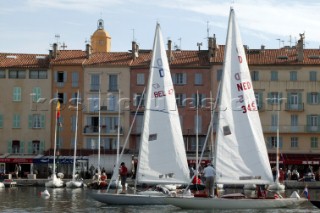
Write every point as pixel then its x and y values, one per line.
pixel 100 40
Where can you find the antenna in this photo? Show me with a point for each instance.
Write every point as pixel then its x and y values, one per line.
pixel 57 36
pixel 290 40
pixel 180 43
pixel 64 46
pixel 133 39
pixel 199 44
pixel 208 29
pixel 279 42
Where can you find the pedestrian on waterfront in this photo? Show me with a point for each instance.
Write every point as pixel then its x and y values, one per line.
pixel 16 170
pixel 92 169
pixel 209 173
pixel 123 171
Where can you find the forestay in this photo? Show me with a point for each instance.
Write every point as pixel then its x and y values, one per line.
pixel 162 156
pixel 241 154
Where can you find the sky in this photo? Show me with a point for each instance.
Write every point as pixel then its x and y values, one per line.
pixel 32 26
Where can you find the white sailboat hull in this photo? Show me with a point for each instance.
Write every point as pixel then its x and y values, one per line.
pixel 249 186
pixel 223 203
pixel 129 199
pixel 75 184
pixel 54 182
pixel 277 187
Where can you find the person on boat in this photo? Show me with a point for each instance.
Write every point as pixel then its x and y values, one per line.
pixel 281 175
pixel 103 180
pixel 261 191
pixel 197 186
pixel 123 171
pixel 288 174
pixel 209 173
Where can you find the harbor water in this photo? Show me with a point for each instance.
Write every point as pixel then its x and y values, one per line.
pixel 28 199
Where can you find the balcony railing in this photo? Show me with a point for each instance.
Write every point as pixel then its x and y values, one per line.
pixel 315 129
pixel 283 129
pixel 295 107
pixel 104 130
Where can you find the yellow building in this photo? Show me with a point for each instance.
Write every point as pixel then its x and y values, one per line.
pixel 24 109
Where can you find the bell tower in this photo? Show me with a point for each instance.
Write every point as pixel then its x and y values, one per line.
pixel 100 40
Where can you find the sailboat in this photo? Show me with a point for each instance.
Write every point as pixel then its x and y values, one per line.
pixel 241 154
pixel 162 157
pixel 99 180
pixel 277 186
pixel 76 181
pixel 54 181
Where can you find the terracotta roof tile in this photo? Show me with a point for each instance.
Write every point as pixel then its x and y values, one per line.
pixel 18 60
pixel 109 58
pixel 283 56
pixel 69 57
pixel 179 58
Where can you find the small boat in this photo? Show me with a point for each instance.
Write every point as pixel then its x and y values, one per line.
pixel 162 157
pixel 76 181
pixel 55 180
pixel 45 193
pixel 9 183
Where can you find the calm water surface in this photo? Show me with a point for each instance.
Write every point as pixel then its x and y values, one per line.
pixel 28 199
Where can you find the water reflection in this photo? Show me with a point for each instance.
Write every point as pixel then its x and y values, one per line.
pixel 28 199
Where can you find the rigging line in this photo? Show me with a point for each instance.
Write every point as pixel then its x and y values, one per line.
pixel 125 144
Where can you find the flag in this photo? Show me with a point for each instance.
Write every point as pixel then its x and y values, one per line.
pixel 58 109
pixel 306 193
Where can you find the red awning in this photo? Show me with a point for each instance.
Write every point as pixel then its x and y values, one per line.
pixel 296 159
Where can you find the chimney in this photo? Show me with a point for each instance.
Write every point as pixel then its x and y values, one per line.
pixel 170 51
pixel 50 54
pixel 55 50
pixel 88 50
pixel 300 48
pixel 135 50
pixel 263 47
pixel 212 46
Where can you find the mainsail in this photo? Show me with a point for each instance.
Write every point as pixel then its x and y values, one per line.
pixel 241 154
pixel 162 156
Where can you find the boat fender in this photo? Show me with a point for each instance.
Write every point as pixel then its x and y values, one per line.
pixel 294 195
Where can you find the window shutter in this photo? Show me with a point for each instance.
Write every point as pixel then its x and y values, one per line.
pixel 30 121
pixel 184 78
pixel 9 143
pixel 42 121
pixel 269 145
pixel 174 78
pixel 41 146
pixel 65 77
pixel 55 76
pixel 260 95
pixel 30 147
pixel 21 147
pixel 308 120
pixel 184 100
pixel 299 97
pixel 270 101
pixel 308 97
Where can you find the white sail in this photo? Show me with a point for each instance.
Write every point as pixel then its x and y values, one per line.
pixel 162 156
pixel 241 154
